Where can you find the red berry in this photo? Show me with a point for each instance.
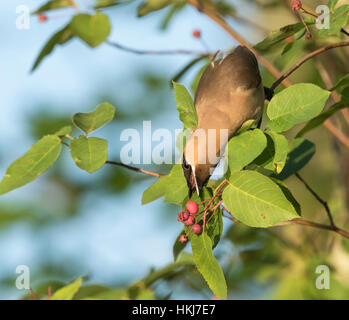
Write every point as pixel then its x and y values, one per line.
pixel 192 207
pixel 190 221
pixel 196 33
pixel 196 228
pixel 42 17
pixel 183 238
pixel 296 5
pixel 182 216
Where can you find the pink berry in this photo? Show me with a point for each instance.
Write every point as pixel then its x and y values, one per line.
pixel 183 238
pixel 196 228
pixel 196 33
pixel 192 207
pixel 296 5
pixel 183 216
pixel 190 221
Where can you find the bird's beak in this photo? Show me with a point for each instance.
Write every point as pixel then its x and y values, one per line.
pixel 195 183
pixel 190 177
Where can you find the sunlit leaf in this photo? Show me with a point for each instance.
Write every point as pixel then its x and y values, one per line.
pixel 67 292
pixel 55 4
pixel 176 189
pixel 63 131
pixel 91 29
pixel 256 200
pixel 244 148
pixel 155 191
pixel 275 154
pixel 298 103
pixel 338 19
pixel 152 5
pixel 30 166
pixel 185 106
pixel 59 38
pixel 279 35
pixel 208 265
pixel 89 154
pixel 106 3
pixel 89 122
pixel 321 118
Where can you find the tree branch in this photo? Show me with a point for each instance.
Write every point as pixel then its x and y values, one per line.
pixel 302 222
pixel 305 59
pixel 214 17
pixel 150 173
pixel 158 52
pixel 318 198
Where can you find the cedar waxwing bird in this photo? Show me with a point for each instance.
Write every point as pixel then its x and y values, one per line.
pixel 229 93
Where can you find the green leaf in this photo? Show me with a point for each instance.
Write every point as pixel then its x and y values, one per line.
pixel 155 191
pixel 152 5
pixel 68 292
pixel 171 13
pixel 275 154
pixel 59 38
pixel 341 83
pixel 321 118
pixel 185 106
pixel 301 151
pixel 244 148
pixel 89 122
pixel 178 246
pixel 198 76
pixel 208 265
pixel 338 20
pixel 186 68
pixel 89 154
pixel 105 4
pixel 331 4
pixel 288 195
pixel 256 200
pixel 298 103
pixel 30 166
pixel 176 189
pixel 277 36
pixel 109 294
pixel 214 228
pixel 63 131
pixel 54 4
pixel 91 29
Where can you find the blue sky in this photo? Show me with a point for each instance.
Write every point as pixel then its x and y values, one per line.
pixel 110 233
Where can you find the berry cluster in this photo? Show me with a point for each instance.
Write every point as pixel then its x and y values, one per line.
pixel 188 219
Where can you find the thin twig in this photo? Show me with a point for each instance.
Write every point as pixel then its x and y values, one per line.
pixel 159 52
pixel 150 173
pixel 306 58
pixel 308 33
pixel 220 21
pixel 302 222
pixel 318 198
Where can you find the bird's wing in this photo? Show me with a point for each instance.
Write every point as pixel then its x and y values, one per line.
pixel 237 71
